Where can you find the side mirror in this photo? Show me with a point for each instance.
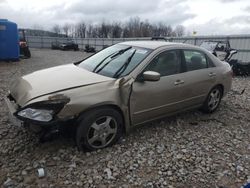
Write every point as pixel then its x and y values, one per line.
pixel 151 76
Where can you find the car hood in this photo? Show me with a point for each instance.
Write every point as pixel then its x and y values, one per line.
pixel 53 80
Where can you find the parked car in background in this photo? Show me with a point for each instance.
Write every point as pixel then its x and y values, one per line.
pixel 89 49
pixel 118 88
pixel 220 49
pixel 69 45
pixel 55 45
pixel 224 52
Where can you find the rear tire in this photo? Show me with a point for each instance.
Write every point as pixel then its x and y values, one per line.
pixel 98 129
pixel 213 100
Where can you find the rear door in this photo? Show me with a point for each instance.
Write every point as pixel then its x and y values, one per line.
pixel 199 77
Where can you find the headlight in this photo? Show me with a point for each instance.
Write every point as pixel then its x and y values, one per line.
pixel 36 114
pixel 43 111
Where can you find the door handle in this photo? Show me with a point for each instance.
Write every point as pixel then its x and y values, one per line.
pixel 178 82
pixel 212 74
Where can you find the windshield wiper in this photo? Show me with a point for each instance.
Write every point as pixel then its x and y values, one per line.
pixel 99 64
pixel 112 56
pixel 120 52
pixel 124 66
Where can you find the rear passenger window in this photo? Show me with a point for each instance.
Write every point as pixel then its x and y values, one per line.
pixel 195 60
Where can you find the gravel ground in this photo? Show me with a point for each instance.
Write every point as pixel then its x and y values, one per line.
pixel 188 150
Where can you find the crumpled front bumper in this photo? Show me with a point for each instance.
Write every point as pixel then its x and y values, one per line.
pixel 13 107
pixel 48 129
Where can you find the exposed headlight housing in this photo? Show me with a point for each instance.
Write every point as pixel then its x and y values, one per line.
pixel 43 111
pixel 36 114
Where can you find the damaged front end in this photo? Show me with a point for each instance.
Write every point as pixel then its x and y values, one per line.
pixel 39 116
pixel 43 112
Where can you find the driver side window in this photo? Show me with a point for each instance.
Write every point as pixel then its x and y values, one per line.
pixel 167 63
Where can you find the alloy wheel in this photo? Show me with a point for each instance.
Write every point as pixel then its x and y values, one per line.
pixel 102 132
pixel 214 99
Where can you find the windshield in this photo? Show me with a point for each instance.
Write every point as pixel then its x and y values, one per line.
pixel 114 59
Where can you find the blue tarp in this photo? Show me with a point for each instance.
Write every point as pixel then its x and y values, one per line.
pixel 9 40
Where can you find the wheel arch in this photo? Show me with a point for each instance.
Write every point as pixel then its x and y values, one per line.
pixel 204 107
pixel 216 85
pixel 221 87
pixel 112 106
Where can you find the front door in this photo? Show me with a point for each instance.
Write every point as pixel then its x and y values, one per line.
pixel 150 100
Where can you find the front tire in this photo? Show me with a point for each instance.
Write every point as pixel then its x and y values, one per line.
pixel 213 100
pixel 98 129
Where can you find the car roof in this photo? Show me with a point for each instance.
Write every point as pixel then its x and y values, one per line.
pixel 154 44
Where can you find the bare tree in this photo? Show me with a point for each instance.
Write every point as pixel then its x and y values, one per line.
pixel 66 28
pixel 134 27
pixel 80 30
pixel 116 30
pixel 146 29
pixel 188 33
pixel 162 30
pixel 90 31
pixel 56 29
pixel 72 30
pixel 104 30
pixel 179 30
pixel 125 33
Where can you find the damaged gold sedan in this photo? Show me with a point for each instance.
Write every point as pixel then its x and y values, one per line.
pixel 122 86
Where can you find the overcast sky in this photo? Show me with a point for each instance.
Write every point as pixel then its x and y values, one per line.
pixel 204 16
